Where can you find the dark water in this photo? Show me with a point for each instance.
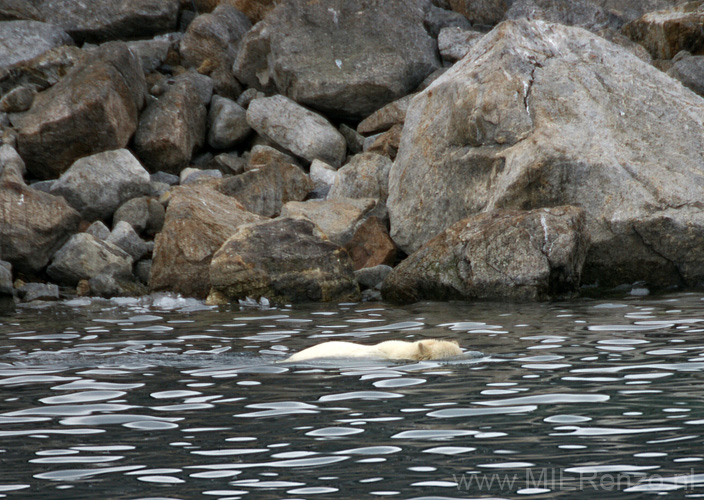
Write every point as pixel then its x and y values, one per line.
pixel 169 399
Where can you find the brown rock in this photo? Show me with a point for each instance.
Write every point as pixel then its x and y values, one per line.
pixel 94 108
pixel 371 245
pixel 666 32
pixel 284 260
pixel 387 143
pixel 198 221
pixel 383 119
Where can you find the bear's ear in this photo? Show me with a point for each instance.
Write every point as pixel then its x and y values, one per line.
pixel 423 350
pixel 455 342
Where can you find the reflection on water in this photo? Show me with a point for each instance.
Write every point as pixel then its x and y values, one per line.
pixel 168 398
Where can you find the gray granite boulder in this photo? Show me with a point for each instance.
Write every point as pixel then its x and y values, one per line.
pixel 99 230
pixel 198 221
pixel 94 108
pixel 300 131
pixel 284 260
pixel 227 123
pixel 84 256
pixel 171 129
pixel 30 292
pixel 125 237
pixel 498 132
pixel 24 40
pixel 342 58
pixel 366 175
pixel 97 185
pixel 533 255
pixel 33 224
pixel 152 53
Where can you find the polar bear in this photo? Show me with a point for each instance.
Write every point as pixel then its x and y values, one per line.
pixel 391 349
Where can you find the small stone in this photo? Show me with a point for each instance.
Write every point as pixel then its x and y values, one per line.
pixel 83 288
pixel 157 189
pixel 135 212
pixel 17 100
pixel 125 237
pixel 99 230
pixel 11 165
pixel 387 144
pixel 165 177
pixel 227 122
pixel 43 186
pixel 142 270
pixel 355 140
pixel 248 96
pixel 202 84
pixel 365 176
pixel 383 119
pixel 193 175
pixel 229 163
pixel 38 291
pixel 322 174
pixel 113 282
pixel 454 43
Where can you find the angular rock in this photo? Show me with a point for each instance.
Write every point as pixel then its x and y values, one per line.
pixel 227 123
pixel 84 256
pixel 383 119
pixel 212 39
pixel 198 221
pixel 33 224
pixel 266 189
pixel 524 255
pixel 153 53
pixel 454 43
pixel 24 40
pixel 97 185
pixel 337 219
pixel 43 71
pixel 344 59
pixel 365 176
pixel 304 133
pixel 171 129
pixel 38 291
pixel 284 260
pixel 371 277
pixel 322 175
pixel 355 140
pixel 371 245
pixel 229 163
pixel 664 33
pixel 92 109
pixel 194 175
pixel 10 163
pixel 387 144
pixel 689 70
pixel 165 177
pixel 102 20
pixel 124 236
pixel 112 282
pixel 11 10
pixel 142 269
pixel 588 14
pixel 98 230
pixel 255 10
pixel 6 288
pixel 497 132
pixel 135 212
pixel 437 19
pixel 203 85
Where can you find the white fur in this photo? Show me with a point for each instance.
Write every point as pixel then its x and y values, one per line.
pixel 391 349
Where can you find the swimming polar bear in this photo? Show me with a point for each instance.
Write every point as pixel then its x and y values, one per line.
pixel 391 349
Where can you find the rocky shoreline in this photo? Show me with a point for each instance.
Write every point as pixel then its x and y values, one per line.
pixel 337 151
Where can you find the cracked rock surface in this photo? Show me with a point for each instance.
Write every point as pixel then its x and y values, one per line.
pixel 540 115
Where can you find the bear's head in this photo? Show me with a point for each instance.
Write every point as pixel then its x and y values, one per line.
pixel 438 349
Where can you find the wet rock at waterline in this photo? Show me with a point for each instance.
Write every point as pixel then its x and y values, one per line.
pixel 92 109
pixel 97 185
pixel 284 260
pixel 84 256
pixel 38 291
pixel 534 255
pixel 496 131
pixel 33 224
pixel 198 221
pixel 347 59
pixel 371 245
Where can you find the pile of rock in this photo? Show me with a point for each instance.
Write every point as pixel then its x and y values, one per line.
pixel 302 150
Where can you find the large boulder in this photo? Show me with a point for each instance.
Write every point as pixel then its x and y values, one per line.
pixel 284 260
pixel 94 108
pixel 266 189
pixel 198 221
pixel 97 185
pixel 33 224
pixel 171 129
pixel 346 59
pixel 666 32
pixel 293 127
pixel 24 40
pixel 102 20
pixel 540 114
pixel 85 256
pixel 534 255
